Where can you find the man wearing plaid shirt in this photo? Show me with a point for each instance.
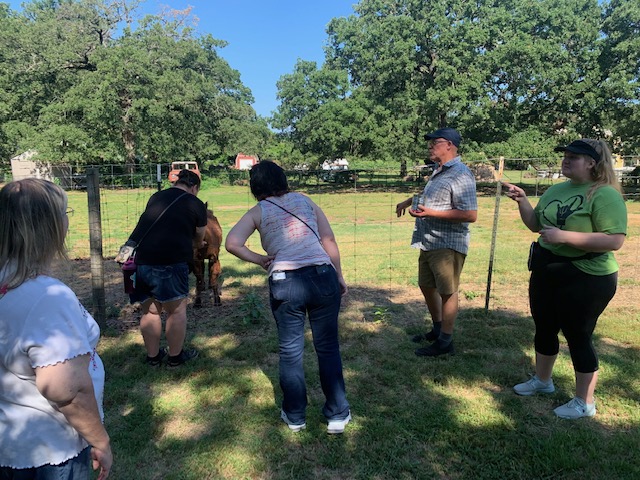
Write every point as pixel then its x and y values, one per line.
pixel 442 234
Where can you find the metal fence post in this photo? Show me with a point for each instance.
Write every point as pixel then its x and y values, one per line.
pixel 95 246
pixel 494 231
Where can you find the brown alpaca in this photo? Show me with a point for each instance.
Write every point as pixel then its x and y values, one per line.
pixel 213 238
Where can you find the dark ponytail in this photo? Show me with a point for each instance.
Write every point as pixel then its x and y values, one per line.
pixel 188 178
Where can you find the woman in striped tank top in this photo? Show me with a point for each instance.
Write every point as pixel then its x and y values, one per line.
pixel 305 280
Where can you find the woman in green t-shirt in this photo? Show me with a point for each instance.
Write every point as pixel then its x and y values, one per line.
pixel 574 273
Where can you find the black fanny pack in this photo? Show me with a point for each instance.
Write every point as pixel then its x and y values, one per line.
pixel 540 257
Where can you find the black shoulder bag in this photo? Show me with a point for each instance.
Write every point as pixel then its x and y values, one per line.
pixel 127 254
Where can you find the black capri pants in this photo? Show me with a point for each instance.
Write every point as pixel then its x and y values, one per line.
pixel 564 298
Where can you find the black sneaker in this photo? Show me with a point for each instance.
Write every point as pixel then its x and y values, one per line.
pixel 435 349
pixel 430 336
pixel 184 356
pixel 157 360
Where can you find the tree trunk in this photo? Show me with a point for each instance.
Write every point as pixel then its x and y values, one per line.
pixel 128 135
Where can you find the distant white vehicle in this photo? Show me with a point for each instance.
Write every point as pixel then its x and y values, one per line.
pixel 177 167
pixel 337 164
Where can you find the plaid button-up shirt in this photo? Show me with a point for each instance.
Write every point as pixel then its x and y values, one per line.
pixel 451 187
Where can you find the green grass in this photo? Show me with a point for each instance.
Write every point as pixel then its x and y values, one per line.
pixel 413 418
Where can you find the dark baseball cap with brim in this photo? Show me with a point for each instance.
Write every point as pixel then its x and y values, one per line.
pixel 580 147
pixel 447 133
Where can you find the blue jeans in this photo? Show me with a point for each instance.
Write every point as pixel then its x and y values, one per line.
pixel 73 469
pixel 161 282
pixel 312 291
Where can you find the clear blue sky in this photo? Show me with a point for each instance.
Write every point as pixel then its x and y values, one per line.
pixel 265 37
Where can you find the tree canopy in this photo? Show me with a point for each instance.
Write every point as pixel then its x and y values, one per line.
pixel 90 82
pixel 85 82
pixel 513 76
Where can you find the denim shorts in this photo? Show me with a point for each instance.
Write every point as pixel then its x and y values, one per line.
pixel 76 468
pixel 163 283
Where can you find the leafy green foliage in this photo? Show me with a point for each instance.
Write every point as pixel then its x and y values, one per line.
pixel 81 83
pixel 516 77
pixel 88 88
pixel 621 70
pixel 530 143
pixel 380 313
pixel 252 309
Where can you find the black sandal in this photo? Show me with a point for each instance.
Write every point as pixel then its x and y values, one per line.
pixel 182 357
pixel 157 360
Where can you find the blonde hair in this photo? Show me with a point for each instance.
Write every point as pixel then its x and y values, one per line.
pixel 32 229
pixel 602 173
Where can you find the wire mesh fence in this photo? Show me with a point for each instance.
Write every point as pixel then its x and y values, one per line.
pixel 361 206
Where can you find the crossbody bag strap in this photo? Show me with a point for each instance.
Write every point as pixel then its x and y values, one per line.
pixel 294 215
pixel 158 218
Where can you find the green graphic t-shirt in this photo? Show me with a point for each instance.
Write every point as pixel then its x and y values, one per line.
pixel 566 207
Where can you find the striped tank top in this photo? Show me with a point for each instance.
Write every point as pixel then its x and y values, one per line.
pixel 292 242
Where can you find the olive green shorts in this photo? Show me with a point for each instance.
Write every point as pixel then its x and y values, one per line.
pixel 440 269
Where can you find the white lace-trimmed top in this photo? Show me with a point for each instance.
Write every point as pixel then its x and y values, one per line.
pixel 283 235
pixel 42 323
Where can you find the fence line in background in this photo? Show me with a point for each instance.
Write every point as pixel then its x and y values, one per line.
pixel 536 171
pixel 397 267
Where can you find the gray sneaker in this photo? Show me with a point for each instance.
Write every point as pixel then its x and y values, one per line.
pixel 294 427
pixel 337 426
pixel 534 385
pixel 576 408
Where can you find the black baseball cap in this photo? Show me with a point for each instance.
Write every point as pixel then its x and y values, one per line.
pixel 580 147
pixel 447 133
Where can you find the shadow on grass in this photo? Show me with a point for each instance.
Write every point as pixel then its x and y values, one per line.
pixel 453 417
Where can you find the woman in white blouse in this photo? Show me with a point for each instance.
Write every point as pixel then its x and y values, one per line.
pixel 51 378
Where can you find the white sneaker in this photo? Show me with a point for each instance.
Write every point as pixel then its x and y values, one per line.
pixel 576 408
pixel 337 426
pixel 294 427
pixel 534 385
